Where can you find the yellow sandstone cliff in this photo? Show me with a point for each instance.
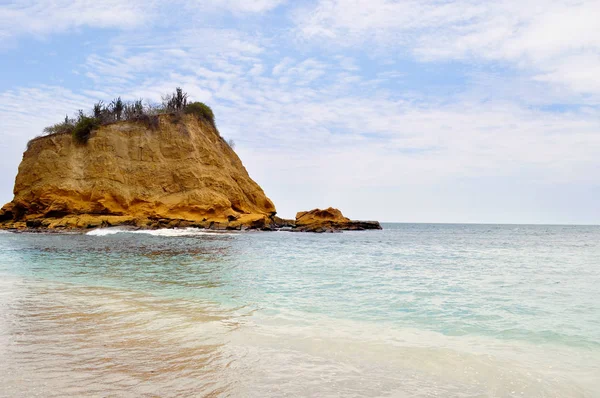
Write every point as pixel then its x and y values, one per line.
pixel 180 173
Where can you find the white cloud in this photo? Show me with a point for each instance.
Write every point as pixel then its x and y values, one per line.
pixel 256 70
pixel 578 72
pixel 23 111
pixel 283 64
pixel 243 6
pixel 557 41
pixel 184 58
pixel 42 17
pixel 396 147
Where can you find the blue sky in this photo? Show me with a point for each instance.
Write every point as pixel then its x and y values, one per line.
pixel 415 111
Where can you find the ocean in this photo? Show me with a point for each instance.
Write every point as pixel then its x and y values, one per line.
pixel 415 310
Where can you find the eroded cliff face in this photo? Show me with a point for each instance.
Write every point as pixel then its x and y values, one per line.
pixel 180 173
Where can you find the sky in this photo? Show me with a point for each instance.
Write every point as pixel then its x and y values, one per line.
pixel 408 111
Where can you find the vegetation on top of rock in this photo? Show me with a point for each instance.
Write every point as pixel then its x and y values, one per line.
pixel 81 126
pixel 63 127
pixel 201 111
pixel 175 102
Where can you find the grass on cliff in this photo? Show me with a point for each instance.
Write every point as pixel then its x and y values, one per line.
pixel 102 114
pixel 79 128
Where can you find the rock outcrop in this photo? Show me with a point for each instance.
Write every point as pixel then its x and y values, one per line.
pixel 179 173
pixel 329 220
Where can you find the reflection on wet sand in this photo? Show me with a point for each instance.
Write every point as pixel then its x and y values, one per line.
pixel 68 340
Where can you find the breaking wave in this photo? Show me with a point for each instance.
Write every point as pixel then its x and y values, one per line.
pixel 176 232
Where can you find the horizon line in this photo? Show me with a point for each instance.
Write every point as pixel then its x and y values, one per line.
pixel 490 223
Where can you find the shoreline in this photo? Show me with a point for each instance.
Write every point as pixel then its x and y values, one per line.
pixel 316 221
pixel 127 228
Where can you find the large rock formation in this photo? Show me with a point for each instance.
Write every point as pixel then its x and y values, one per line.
pixel 180 173
pixel 329 220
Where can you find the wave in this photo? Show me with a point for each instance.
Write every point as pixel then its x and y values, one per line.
pixel 176 232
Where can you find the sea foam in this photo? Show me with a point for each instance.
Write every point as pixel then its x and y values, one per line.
pixel 156 232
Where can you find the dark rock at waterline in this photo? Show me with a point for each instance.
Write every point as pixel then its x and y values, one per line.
pixel 329 220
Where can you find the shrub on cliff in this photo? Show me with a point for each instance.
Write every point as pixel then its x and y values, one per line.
pixel 82 130
pixel 133 110
pixel 99 109
pixel 201 111
pixel 103 113
pixel 174 104
pixel 117 107
pixel 64 127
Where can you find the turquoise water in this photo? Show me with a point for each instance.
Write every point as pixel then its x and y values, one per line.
pixel 413 310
